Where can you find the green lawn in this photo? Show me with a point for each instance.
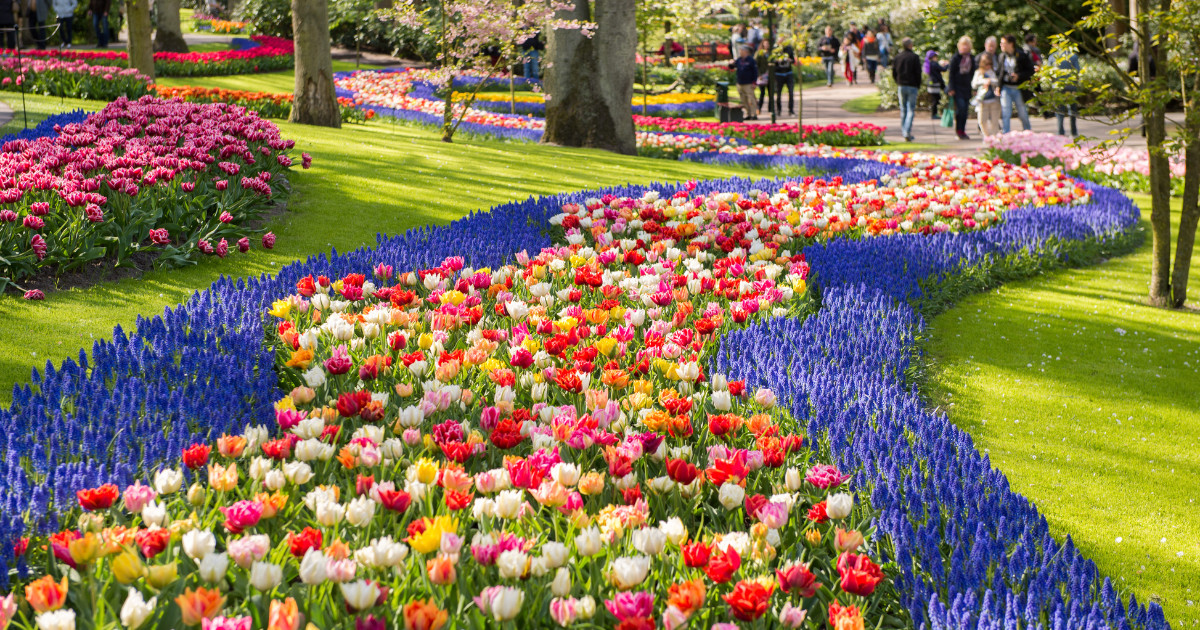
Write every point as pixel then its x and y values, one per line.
pixel 1089 401
pixel 35 109
pixel 865 104
pixel 365 179
pixel 273 82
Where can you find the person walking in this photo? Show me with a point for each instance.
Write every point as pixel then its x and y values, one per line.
pixel 962 70
pixel 783 65
pixel 98 9
pixel 991 47
pixel 754 36
pixel 937 84
pixel 1067 78
pixel 9 12
pixel 65 10
pixel 870 53
pixel 737 39
pixel 828 48
pixel 884 37
pixel 850 60
pixel 906 70
pixel 987 97
pixel 746 71
pixel 531 53
pixel 39 10
pixel 1015 68
pixel 1031 48
pixel 764 79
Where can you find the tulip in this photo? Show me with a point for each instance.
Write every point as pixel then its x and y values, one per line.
pixel 424 615
pixel 197 605
pixel 127 567
pixel 838 505
pixel 265 576
pixel 44 594
pixel 198 543
pixel 56 620
pixel 312 567
pixel 629 572
pixel 213 567
pixel 136 610
pixel 588 542
pixel 8 609
pixel 360 595
pixel 284 615
pixel 137 497
pixel 731 495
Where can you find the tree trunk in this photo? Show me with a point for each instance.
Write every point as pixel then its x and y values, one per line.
pixel 141 50
pixel 1154 119
pixel 590 81
pixel 1188 220
pixel 315 100
pixel 169 36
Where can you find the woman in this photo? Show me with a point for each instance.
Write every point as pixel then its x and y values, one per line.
pixel 937 84
pixel 850 59
pixel 782 64
pixel 987 96
pixel 737 39
pixel 871 54
pixel 962 70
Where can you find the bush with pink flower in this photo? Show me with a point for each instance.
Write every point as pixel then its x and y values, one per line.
pixel 169 178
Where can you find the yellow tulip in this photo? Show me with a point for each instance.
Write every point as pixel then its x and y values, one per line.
pixel 127 567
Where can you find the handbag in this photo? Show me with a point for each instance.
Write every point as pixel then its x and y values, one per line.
pixel 947 118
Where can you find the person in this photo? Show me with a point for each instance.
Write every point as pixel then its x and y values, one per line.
pixel 1031 48
pixel 828 48
pixel 855 34
pixel 670 48
pixel 783 65
pixel 906 70
pixel 990 47
pixel 987 97
pixel 937 84
pixel 65 10
pixel 531 53
pixel 764 78
pixel 98 9
pixel 1015 68
pixel 737 39
pixel 962 70
pixel 754 36
pixel 1067 63
pixel 850 60
pixel 884 37
pixel 39 10
pixel 870 53
pixel 8 23
pixel 746 71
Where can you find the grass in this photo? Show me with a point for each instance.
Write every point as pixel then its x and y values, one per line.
pixel 365 179
pixel 865 104
pixel 38 108
pixel 1092 410
pixel 279 82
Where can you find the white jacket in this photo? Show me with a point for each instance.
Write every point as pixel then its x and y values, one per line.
pixel 65 8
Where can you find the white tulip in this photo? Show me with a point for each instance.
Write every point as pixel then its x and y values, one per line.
pixel 793 479
pixel 213 567
pixel 567 475
pixel 360 511
pixel 154 514
pixel 168 480
pixel 297 472
pixel 198 543
pixel 330 513
pixel 508 503
pixel 675 530
pixel 265 576
pixel 512 564
pixel 649 540
pixel 588 542
pixel 136 610
pixel 837 506
pixel 721 400
pixel 561 585
pixel 259 467
pixel 57 620
pixel 731 495
pixel 276 479
pixel 629 572
pixel 312 567
pixel 555 554
pixel 506 603
pixel 360 595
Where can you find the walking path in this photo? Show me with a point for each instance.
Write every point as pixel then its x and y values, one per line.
pixel 824 106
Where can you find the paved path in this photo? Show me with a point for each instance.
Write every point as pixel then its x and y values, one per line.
pixel 6 113
pixel 823 105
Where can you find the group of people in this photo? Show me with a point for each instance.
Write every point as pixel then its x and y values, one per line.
pixel 33 15
pixel 754 68
pixel 869 48
pixel 995 82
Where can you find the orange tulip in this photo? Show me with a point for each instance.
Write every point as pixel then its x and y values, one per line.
pixel 424 615
pixel 45 594
pixel 200 604
pixel 284 615
pixel 441 570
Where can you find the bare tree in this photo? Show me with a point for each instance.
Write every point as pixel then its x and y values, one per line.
pixel 589 82
pixel 315 100
pixel 169 34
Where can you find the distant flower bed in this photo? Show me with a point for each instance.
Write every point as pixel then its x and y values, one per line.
pixel 841 134
pixel 171 178
pixel 263 103
pixel 1127 168
pixel 531 103
pixel 71 78
pixel 270 53
pixel 219 26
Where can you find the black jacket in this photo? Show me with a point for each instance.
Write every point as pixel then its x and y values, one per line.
pixel 961 83
pixel 832 43
pixel 906 69
pixel 1022 64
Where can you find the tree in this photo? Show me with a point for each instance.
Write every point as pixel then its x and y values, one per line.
pixel 315 99
pixel 479 38
pixel 141 50
pixel 589 82
pixel 1167 33
pixel 168 36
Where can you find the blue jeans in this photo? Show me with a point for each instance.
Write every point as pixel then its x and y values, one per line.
pixel 1009 96
pixel 883 57
pixel 100 23
pixel 1066 111
pixel 531 64
pixel 830 62
pixel 908 109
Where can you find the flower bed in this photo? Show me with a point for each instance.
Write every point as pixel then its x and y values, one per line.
pixel 269 54
pixel 1122 167
pixel 147 176
pixel 675 105
pixel 71 78
pixel 966 547
pixel 263 103
pixel 840 134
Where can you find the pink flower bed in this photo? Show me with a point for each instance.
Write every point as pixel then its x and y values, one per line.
pixel 1030 146
pixel 272 53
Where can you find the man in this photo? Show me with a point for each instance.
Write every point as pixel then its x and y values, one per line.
pixel 1015 68
pixel 39 10
pixel 1031 47
pixel 990 48
pixel 906 70
pixel 855 33
pixel 531 52
pixel 746 70
pixel 98 9
pixel 1067 63
pixel 828 48
pixel 9 12
pixel 755 36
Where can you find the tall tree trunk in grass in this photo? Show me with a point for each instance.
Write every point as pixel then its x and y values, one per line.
pixel 315 100
pixel 1155 120
pixel 1187 225
pixel 169 35
pixel 141 49
pixel 589 83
